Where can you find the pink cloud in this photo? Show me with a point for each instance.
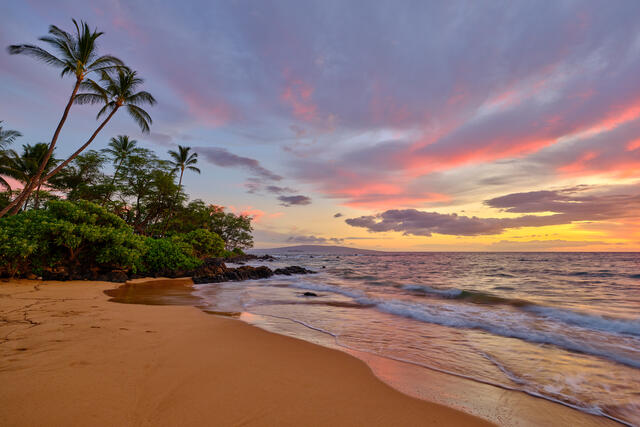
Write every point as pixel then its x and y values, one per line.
pixel 633 145
pixel 210 111
pixel 298 95
pixel 580 164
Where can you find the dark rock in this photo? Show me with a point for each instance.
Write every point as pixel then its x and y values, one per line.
pixel 119 276
pixel 216 273
pixel 310 294
pixel 294 269
pixel 58 273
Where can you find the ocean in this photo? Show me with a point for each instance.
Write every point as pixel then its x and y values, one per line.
pixel 560 326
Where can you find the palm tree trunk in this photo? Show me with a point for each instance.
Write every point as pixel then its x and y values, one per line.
pixel 81 149
pixel 173 205
pixel 14 206
pixel 113 181
pixel 37 202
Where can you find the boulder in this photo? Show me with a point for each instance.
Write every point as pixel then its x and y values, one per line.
pixel 310 294
pixel 293 269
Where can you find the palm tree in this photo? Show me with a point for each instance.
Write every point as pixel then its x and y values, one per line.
pixel 24 167
pixel 76 55
pixel 181 160
pixel 6 137
pixel 115 93
pixel 120 149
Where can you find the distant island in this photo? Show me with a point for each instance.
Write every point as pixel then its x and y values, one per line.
pixel 315 249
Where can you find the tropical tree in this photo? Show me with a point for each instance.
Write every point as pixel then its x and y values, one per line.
pixel 115 93
pixel 76 55
pixel 83 178
pixel 6 138
pixel 120 149
pixel 182 160
pixel 24 167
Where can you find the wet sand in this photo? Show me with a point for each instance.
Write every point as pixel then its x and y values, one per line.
pixel 70 357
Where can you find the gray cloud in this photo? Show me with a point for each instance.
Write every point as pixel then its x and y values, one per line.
pixel 278 190
pixel 338 215
pixel 568 206
pixel 224 158
pixel 294 200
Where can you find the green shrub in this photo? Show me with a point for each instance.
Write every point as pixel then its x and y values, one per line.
pixel 168 254
pixel 78 235
pixel 204 243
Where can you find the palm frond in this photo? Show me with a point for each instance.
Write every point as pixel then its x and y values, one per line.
pixel 141 98
pixel 37 53
pixel 105 63
pixel 108 108
pixel 88 98
pixel 141 117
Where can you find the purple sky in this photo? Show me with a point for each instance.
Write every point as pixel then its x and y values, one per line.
pixel 376 110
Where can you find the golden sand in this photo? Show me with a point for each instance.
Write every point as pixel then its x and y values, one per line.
pixel 70 357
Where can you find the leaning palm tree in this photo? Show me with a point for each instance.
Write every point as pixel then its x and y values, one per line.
pixel 181 160
pixel 6 138
pixel 24 167
pixel 116 92
pixel 76 55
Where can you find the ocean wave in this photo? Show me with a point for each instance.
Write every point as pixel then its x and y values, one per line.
pixel 588 321
pixel 471 296
pixel 502 323
pixel 498 324
pixel 352 293
pixel 447 293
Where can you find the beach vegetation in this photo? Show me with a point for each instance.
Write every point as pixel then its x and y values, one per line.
pixel 120 208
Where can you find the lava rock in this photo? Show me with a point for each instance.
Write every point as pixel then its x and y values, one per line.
pixel 294 269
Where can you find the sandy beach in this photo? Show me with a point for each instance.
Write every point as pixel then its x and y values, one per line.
pixel 71 357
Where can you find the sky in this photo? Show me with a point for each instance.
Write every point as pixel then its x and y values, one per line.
pixel 397 125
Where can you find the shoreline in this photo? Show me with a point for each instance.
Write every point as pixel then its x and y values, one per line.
pixel 72 357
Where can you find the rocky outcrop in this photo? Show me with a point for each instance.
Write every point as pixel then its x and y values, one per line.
pixel 294 269
pixel 214 270
pixel 240 259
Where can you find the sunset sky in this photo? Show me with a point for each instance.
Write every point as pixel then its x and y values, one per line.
pixel 400 125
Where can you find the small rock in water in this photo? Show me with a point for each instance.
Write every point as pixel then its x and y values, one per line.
pixel 310 294
pixel 293 269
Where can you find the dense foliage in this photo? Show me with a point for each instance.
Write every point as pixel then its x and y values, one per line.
pixel 81 237
pixel 168 255
pixel 77 236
